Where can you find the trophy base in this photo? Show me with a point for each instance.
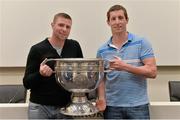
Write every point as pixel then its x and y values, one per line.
pixel 79 109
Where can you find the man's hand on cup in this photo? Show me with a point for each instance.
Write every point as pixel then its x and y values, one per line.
pixel 45 70
pixel 101 104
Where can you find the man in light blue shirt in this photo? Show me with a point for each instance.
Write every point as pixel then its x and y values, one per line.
pixel 131 60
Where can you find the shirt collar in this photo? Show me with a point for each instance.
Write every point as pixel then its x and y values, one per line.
pixel 130 38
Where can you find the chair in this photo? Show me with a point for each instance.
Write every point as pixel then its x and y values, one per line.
pixel 12 94
pixel 174 90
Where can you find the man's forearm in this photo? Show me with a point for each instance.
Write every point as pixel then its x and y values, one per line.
pixel 101 90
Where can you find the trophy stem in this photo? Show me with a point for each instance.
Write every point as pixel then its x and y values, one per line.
pixel 80 106
pixel 79 98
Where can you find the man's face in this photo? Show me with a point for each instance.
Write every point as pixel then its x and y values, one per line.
pixel 61 28
pixel 117 21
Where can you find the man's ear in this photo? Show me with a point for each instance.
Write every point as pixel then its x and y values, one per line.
pixel 52 24
pixel 107 22
pixel 127 20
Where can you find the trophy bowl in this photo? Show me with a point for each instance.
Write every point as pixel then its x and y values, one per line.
pixel 79 76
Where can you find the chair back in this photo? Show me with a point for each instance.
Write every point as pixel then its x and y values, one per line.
pixel 12 94
pixel 174 90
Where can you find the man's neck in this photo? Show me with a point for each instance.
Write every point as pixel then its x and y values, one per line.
pixel 56 42
pixel 119 39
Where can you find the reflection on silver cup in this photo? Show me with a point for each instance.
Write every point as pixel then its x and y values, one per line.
pixel 79 76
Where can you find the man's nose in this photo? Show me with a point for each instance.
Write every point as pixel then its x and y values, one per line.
pixel 64 28
pixel 117 21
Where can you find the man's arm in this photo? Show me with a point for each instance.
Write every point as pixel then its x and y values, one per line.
pixel 148 70
pixel 101 102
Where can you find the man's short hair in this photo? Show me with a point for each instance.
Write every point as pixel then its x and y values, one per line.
pixel 115 8
pixel 64 15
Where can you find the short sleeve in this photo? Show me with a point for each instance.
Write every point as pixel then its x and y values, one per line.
pixel 146 49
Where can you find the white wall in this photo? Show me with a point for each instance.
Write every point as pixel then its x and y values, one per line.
pixel 158 89
pixel 26 22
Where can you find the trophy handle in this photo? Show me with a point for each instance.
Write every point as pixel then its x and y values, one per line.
pixel 47 60
pixel 108 70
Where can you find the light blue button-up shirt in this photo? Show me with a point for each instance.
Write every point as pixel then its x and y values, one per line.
pixel 125 89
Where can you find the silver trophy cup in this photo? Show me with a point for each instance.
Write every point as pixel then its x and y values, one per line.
pixel 79 76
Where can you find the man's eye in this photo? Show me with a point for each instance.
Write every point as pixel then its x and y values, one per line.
pixel 68 27
pixel 120 17
pixel 113 18
pixel 61 25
